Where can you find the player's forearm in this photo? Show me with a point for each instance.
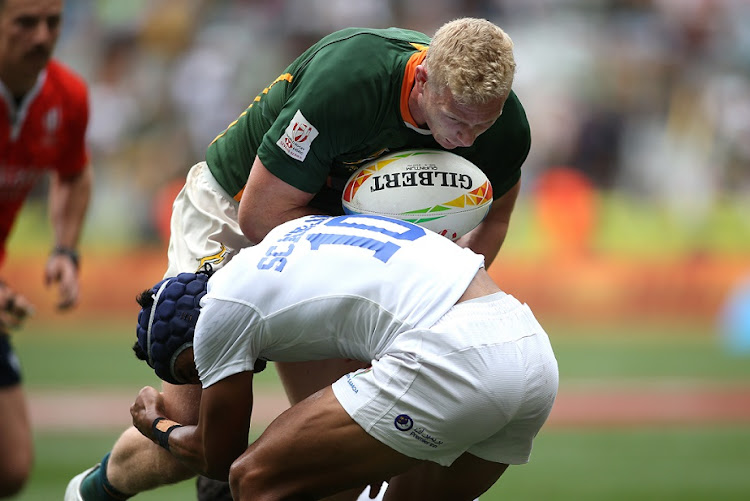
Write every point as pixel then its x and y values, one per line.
pixel 68 203
pixel 488 237
pixel 485 239
pixel 185 444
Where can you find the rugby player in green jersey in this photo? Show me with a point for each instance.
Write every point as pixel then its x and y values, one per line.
pixel 351 97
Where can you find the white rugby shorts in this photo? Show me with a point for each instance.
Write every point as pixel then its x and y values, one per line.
pixel 481 380
pixel 204 227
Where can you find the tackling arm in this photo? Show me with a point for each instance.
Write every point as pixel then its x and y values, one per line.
pixel 488 237
pixel 267 201
pixel 221 435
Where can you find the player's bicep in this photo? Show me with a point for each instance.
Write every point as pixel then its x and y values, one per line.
pixel 502 207
pixel 268 201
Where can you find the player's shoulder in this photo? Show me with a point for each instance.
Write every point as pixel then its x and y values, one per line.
pixel 360 66
pixel 67 81
pixel 394 34
pixel 513 123
pixel 371 42
pixel 513 109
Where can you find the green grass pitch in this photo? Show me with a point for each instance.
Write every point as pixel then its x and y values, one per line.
pixel 691 463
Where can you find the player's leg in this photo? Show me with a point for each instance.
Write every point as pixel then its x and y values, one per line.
pixel 302 379
pixel 209 489
pixel 406 485
pixel 135 463
pixel 16 446
pixel 467 478
pixel 15 441
pixel 313 449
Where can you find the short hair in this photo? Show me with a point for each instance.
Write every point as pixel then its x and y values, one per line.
pixel 473 58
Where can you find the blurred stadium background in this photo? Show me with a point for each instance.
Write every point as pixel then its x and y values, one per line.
pixel 631 240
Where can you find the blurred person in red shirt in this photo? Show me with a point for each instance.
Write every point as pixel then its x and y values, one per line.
pixel 43 120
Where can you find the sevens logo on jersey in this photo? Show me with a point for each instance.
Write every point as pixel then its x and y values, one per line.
pixel 298 137
pixel 301 132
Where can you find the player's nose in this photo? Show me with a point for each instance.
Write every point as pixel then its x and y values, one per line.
pixel 465 138
pixel 44 34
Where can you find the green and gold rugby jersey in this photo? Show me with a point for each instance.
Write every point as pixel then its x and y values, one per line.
pixel 344 102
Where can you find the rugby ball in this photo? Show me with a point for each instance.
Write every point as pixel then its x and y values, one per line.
pixel 435 189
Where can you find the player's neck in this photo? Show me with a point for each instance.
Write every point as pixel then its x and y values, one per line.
pixel 416 110
pixel 17 85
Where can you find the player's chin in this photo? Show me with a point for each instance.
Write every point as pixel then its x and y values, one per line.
pixel 36 62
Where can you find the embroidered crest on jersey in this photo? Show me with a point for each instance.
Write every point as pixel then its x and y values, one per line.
pixel 298 137
pixel 214 259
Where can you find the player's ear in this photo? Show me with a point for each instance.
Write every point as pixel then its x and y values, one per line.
pixel 420 75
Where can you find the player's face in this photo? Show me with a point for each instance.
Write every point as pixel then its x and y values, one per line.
pixel 456 125
pixel 28 33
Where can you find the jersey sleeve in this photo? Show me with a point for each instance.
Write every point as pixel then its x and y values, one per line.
pixel 326 113
pixel 223 345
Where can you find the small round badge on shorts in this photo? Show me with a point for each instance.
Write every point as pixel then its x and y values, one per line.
pixel 403 422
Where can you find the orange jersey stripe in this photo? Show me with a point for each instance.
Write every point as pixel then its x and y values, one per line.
pixel 414 61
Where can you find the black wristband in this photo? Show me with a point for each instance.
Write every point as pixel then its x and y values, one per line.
pixel 59 250
pixel 162 430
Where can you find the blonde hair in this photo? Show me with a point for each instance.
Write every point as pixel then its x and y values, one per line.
pixel 473 58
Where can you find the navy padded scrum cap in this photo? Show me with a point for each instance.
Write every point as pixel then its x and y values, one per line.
pixel 166 328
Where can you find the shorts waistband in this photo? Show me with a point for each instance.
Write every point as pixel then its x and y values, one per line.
pixel 495 296
pixel 499 302
pixel 204 171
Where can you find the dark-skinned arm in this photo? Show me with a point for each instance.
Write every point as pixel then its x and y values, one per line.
pixel 221 435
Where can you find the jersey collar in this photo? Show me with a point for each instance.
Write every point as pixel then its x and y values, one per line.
pixel 407 84
pixel 17 113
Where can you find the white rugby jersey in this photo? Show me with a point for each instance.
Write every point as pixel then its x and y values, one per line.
pixel 327 287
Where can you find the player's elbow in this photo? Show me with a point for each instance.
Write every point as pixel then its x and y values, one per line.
pixel 249 222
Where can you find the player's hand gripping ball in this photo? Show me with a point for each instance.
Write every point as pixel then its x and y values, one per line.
pixel 435 189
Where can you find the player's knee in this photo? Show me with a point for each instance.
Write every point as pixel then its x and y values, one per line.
pixel 249 480
pixel 240 478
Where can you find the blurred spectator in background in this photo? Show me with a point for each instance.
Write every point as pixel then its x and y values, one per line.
pixel 43 119
pixel 647 98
